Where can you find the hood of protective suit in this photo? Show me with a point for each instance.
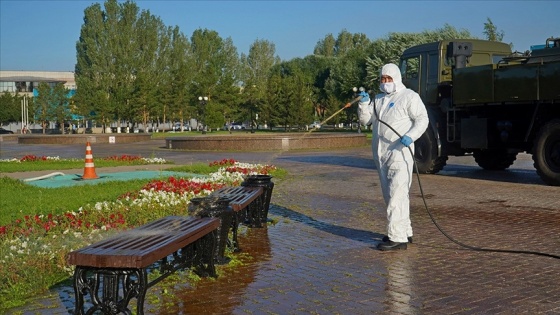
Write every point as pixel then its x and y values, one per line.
pixel 394 72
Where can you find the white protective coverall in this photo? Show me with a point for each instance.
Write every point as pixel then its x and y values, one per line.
pixel 405 112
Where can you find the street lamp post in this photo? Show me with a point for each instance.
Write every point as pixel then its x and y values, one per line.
pixel 203 100
pixel 252 104
pixel 252 130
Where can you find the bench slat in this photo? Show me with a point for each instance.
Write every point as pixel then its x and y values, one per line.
pixel 143 246
pixel 240 196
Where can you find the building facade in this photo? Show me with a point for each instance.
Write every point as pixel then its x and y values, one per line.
pixel 24 82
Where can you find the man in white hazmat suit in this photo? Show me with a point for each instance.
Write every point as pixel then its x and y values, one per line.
pixel 403 110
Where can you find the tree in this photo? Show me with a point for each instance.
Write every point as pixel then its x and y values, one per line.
pixel 491 31
pixel 300 103
pixel 256 67
pixel 51 104
pixel 42 105
pixel 346 70
pixel 179 77
pixel 152 72
pixel 11 107
pixel 290 95
pixel 59 107
pixel 122 63
pixel 326 47
pixel 94 73
pixel 215 72
pixel 344 43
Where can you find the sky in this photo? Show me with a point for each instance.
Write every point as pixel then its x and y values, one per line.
pixel 41 35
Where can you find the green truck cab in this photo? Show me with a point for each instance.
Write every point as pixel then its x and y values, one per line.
pixel 484 100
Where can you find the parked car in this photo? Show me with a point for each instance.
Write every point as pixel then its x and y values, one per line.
pixel 237 126
pixel 315 124
pixel 177 127
pixel 5 131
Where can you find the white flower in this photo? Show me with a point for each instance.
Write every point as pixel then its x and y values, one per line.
pixel 10 160
pixel 154 160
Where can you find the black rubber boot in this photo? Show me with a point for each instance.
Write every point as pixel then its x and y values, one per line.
pixel 390 245
pixel 385 239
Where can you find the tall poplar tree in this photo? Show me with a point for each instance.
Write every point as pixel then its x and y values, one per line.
pixel 93 72
pixel 215 70
pixel 122 57
pixel 257 66
pixel 179 77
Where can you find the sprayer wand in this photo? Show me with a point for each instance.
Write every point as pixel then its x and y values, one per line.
pixel 340 110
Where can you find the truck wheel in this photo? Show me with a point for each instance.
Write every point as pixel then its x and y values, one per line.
pixel 425 154
pixel 546 153
pixel 494 160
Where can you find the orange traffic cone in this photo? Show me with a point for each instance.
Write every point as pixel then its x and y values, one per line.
pixel 89 170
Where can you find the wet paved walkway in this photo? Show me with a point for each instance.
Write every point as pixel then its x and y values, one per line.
pixel 320 258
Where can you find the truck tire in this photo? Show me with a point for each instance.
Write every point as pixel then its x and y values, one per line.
pixel 494 160
pixel 426 154
pixel 546 153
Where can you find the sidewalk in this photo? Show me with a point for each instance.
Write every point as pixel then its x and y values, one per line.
pixel 320 258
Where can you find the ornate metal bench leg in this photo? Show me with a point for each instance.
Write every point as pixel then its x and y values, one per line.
pixel 139 291
pixel 90 280
pixel 80 284
pixel 109 302
pixel 235 225
pixel 256 213
pixel 210 243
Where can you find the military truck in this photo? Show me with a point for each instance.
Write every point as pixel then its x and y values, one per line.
pixel 485 101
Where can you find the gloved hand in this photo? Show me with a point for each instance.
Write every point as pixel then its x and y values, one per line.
pixel 406 140
pixel 364 95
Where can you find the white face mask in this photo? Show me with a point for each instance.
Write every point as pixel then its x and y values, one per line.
pixel 388 87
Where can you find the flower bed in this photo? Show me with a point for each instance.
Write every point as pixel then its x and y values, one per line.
pixel 128 159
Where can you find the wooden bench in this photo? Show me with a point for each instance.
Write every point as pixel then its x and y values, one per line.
pixel 245 203
pixel 231 205
pixel 115 270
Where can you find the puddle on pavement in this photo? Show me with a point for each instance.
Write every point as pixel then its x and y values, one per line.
pixel 208 295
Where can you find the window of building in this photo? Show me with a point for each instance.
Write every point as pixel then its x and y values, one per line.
pixel 8 87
